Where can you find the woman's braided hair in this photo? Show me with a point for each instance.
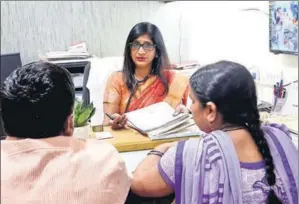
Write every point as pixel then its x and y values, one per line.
pixel 231 87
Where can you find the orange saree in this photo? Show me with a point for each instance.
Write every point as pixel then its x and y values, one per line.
pixel 147 93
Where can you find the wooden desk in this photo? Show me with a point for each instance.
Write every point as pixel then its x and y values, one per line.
pixel 128 140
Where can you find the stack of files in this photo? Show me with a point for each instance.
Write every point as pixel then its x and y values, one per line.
pixel 157 122
pixel 191 64
pixel 67 55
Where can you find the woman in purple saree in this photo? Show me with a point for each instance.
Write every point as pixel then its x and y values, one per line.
pixel 237 161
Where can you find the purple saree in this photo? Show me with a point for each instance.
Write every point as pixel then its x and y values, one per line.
pixel 207 170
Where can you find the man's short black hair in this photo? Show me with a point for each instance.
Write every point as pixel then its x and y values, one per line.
pixel 36 100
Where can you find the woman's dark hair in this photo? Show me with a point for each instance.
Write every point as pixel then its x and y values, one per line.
pixel 160 62
pixel 36 100
pixel 231 87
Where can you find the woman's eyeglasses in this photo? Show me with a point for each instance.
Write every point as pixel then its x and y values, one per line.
pixel 146 46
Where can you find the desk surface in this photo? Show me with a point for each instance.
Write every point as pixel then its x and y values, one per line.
pixel 127 140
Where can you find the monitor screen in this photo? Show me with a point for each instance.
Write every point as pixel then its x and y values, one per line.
pixel 9 62
pixel 284 27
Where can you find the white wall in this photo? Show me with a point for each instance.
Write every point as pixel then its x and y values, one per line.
pixel 171 21
pixel 220 30
pixel 36 27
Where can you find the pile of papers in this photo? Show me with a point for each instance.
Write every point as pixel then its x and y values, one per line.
pixel 157 121
pixel 75 51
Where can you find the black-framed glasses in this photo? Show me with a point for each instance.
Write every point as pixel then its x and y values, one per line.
pixel 146 46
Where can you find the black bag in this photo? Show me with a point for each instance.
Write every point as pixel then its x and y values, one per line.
pixel 135 199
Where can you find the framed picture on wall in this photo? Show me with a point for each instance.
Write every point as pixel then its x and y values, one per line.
pixel 283 27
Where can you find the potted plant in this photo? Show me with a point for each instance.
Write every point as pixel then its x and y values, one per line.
pixel 82 116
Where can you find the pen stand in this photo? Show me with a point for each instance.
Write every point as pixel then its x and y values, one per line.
pixel 278 104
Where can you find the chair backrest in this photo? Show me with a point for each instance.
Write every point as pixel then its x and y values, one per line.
pixel 9 62
pixel 100 70
pixel 85 91
pixel 2 132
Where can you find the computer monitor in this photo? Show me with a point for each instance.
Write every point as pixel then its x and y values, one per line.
pixel 9 62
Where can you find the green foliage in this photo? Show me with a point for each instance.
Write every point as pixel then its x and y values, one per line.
pixel 82 114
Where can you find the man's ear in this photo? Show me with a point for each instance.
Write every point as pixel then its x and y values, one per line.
pixel 69 126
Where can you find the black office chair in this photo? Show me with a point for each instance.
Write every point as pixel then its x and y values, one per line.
pixel 85 91
pixel 2 133
pixel 9 62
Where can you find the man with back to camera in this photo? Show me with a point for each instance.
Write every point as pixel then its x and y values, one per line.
pixel 40 161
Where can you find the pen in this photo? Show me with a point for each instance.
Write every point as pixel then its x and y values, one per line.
pixel 277 89
pixel 280 88
pixel 275 94
pixel 274 91
pixel 110 116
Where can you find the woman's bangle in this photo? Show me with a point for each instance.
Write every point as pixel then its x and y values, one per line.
pixel 155 152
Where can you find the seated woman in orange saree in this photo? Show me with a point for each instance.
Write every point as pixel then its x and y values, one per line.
pixel 151 91
pixel 145 78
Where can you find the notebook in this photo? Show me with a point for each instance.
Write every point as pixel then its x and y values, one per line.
pixel 157 122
